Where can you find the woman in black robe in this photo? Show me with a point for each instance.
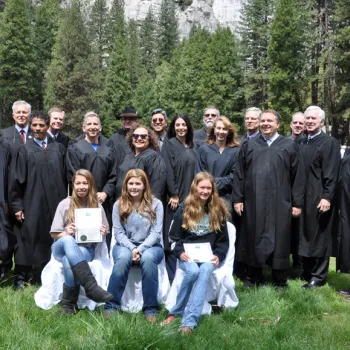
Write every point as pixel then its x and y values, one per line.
pixel 218 157
pixel 143 155
pixel 179 157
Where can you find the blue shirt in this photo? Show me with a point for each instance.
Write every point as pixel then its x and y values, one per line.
pixel 40 142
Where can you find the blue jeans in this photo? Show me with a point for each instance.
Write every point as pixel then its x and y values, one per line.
pixel 192 272
pixel 67 251
pixel 150 259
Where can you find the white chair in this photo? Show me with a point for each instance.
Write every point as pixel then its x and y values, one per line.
pixel 132 300
pixel 50 293
pixel 222 285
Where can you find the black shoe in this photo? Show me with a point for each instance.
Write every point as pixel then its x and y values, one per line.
pixel 313 284
pixel 344 292
pixel 69 300
pixel 4 272
pixel 18 284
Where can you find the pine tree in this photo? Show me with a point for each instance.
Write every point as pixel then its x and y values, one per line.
pixel 134 52
pixel 47 18
pixel 117 92
pixel 168 32
pixel 254 29
pixel 70 79
pixel 116 23
pixel 17 60
pixel 148 42
pixel 286 53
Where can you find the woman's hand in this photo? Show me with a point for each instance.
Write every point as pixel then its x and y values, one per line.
pixel 70 230
pixel 174 202
pixel 103 230
pixel 216 261
pixel 136 256
pixel 185 257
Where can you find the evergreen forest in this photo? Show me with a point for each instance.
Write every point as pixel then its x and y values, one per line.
pixel 285 55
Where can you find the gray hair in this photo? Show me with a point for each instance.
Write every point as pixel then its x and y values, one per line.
pixel 298 113
pixel 91 114
pixel 321 113
pixel 20 103
pixel 212 107
pixel 254 109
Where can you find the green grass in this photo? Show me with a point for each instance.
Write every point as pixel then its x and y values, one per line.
pixel 264 319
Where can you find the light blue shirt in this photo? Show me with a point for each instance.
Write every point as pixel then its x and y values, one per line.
pixel 310 137
pixel 40 142
pixel 272 139
pixel 18 128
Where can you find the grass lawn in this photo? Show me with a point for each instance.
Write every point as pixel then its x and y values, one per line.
pixel 265 319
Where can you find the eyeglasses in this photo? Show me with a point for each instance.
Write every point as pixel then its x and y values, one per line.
pixel 157 120
pixel 210 115
pixel 143 136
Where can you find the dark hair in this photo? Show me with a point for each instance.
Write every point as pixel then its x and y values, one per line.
pixel 189 135
pixel 40 115
pixel 153 139
pixel 276 114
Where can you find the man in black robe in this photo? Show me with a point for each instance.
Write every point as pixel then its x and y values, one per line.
pixel 129 118
pixel 297 126
pixel 268 190
pixel 14 137
pixel 321 157
pixel 159 122
pixel 251 122
pixel 210 114
pixel 37 184
pixel 56 124
pixel 96 154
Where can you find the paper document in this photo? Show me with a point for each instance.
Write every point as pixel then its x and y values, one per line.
pixel 88 222
pixel 199 252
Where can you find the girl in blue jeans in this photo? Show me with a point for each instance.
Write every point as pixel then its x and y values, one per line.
pixel 137 225
pixel 75 257
pixel 201 219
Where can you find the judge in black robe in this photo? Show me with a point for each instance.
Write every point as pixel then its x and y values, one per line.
pixel 144 156
pixel 210 114
pixel 321 157
pixel 268 189
pixel 96 154
pixel 218 157
pixel 180 158
pixel 343 204
pixel 37 184
pixel 5 228
pixel 57 116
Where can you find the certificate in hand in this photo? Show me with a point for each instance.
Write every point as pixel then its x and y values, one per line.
pixel 199 252
pixel 88 222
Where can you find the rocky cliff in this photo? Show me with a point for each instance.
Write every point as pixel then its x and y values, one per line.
pixel 209 14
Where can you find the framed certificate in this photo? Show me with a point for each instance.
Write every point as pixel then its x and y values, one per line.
pixel 199 252
pixel 88 222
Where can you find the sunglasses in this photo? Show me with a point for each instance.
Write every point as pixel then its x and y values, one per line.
pixel 157 120
pixel 210 115
pixel 143 136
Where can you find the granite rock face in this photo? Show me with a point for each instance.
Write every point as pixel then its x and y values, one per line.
pixel 209 14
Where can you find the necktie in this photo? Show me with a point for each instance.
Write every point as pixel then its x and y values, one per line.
pixel 23 136
pixel 308 139
pixel 43 145
pixel 269 141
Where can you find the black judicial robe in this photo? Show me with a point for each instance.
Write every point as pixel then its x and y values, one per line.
pixel 37 184
pixel 152 163
pixel 12 137
pixel 5 228
pixel 121 146
pixel 321 157
pixel 343 204
pixel 62 138
pixel 101 163
pixel 269 181
pixel 180 163
pixel 220 165
pixel 199 137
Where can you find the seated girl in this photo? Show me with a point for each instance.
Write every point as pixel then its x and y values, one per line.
pixel 202 218
pixel 137 225
pixel 74 256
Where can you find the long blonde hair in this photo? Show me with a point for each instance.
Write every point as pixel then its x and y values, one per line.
pixel 76 202
pixel 126 202
pixel 194 210
pixel 231 140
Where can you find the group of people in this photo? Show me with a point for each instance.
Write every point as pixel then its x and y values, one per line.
pixel 160 188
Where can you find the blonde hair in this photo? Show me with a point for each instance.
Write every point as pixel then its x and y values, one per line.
pixel 194 210
pixel 76 202
pixel 126 202
pixel 231 136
